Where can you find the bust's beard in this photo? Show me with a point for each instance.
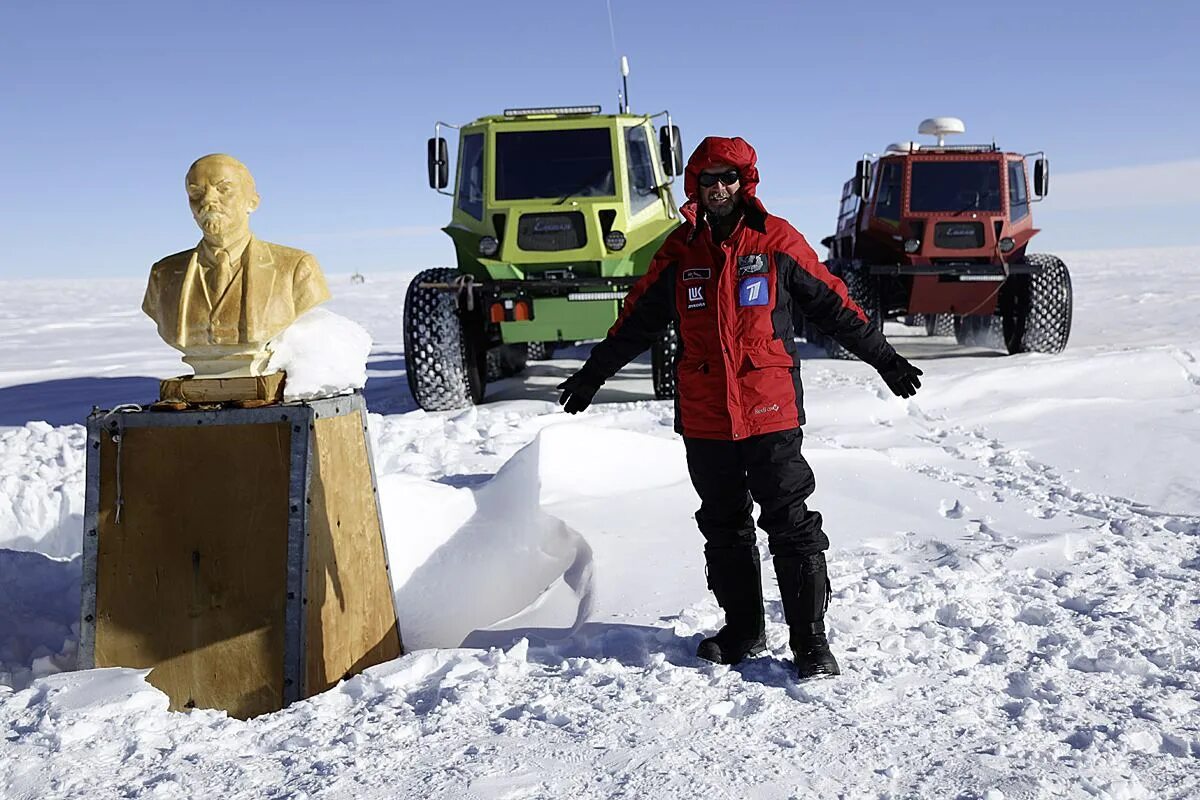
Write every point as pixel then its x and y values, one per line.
pixel 218 227
pixel 214 223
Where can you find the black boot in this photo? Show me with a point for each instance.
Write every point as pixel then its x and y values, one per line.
pixel 804 587
pixel 735 577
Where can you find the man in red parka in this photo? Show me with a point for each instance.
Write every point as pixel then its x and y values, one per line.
pixel 728 278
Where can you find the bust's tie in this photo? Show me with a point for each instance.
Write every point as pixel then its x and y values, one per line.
pixel 219 276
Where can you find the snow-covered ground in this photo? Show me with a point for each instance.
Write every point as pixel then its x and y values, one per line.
pixel 1016 564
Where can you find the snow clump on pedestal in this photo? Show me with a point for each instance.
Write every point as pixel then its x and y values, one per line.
pixel 323 354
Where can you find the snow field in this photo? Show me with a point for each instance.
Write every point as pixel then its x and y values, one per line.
pixel 1015 567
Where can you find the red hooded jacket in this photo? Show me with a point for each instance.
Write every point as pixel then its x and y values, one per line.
pixel 738 374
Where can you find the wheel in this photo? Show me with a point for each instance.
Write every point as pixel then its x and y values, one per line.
pixel 540 351
pixel 506 360
pixel 445 364
pixel 939 324
pixel 1036 309
pixel 978 330
pixel 664 356
pixel 864 290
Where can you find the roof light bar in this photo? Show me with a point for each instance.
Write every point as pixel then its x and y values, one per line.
pixel 960 148
pixel 525 112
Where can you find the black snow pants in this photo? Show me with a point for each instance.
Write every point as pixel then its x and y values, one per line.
pixel 768 469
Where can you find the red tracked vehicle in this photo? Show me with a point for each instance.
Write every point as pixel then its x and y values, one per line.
pixel 940 232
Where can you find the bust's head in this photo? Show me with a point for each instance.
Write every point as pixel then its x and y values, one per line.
pixel 221 194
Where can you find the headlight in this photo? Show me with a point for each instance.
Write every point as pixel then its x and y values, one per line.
pixel 488 246
pixel 912 245
pixel 614 240
pixel 1006 244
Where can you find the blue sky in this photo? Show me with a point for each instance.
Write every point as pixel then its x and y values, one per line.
pixel 104 104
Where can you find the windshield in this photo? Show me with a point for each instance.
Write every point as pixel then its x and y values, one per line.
pixel 557 164
pixel 955 186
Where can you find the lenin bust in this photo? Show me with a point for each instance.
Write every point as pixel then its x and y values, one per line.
pixel 223 300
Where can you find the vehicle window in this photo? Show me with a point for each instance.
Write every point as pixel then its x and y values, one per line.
pixel 887 199
pixel 470 181
pixel 955 186
pixel 1018 192
pixel 643 189
pixel 849 207
pixel 558 163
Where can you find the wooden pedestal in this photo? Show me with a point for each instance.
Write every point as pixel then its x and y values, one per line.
pixel 190 390
pixel 237 552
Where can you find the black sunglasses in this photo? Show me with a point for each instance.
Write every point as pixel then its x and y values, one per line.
pixel 709 179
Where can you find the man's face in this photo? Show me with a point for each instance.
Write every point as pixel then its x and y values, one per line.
pixel 720 199
pixel 221 199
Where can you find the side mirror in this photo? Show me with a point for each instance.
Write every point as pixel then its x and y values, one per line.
pixel 439 163
pixel 862 178
pixel 1041 177
pixel 670 150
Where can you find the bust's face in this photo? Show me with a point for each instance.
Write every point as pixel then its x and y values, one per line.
pixel 221 199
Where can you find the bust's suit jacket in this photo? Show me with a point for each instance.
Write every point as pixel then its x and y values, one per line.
pixel 278 284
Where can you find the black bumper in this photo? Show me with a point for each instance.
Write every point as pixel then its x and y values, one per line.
pixel 957 270
pixel 539 287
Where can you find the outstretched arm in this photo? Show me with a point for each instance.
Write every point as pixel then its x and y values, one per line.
pixel 648 310
pixel 823 298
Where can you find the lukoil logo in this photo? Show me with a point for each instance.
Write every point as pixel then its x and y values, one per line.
pixel 695 296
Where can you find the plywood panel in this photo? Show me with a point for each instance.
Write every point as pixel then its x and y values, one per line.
pixel 351 621
pixel 192 580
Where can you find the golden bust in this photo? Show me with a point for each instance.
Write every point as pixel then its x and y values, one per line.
pixel 223 300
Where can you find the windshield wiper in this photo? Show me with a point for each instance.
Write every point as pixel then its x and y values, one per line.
pixel 586 185
pixel 974 204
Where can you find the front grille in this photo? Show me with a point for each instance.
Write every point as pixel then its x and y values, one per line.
pixel 958 235
pixel 548 232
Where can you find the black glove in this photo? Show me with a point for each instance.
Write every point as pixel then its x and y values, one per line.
pixel 901 377
pixel 577 392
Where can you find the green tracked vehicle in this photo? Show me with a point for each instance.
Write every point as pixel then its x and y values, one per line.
pixel 556 213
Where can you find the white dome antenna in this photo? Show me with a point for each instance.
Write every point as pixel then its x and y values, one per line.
pixel 941 127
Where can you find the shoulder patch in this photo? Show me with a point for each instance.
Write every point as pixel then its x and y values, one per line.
pixel 697 274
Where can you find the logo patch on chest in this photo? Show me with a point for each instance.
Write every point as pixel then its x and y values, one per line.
pixel 697 274
pixel 753 264
pixel 695 297
pixel 753 291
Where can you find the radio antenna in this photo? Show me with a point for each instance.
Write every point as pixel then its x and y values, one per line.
pixel 625 80
pixel 623 94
